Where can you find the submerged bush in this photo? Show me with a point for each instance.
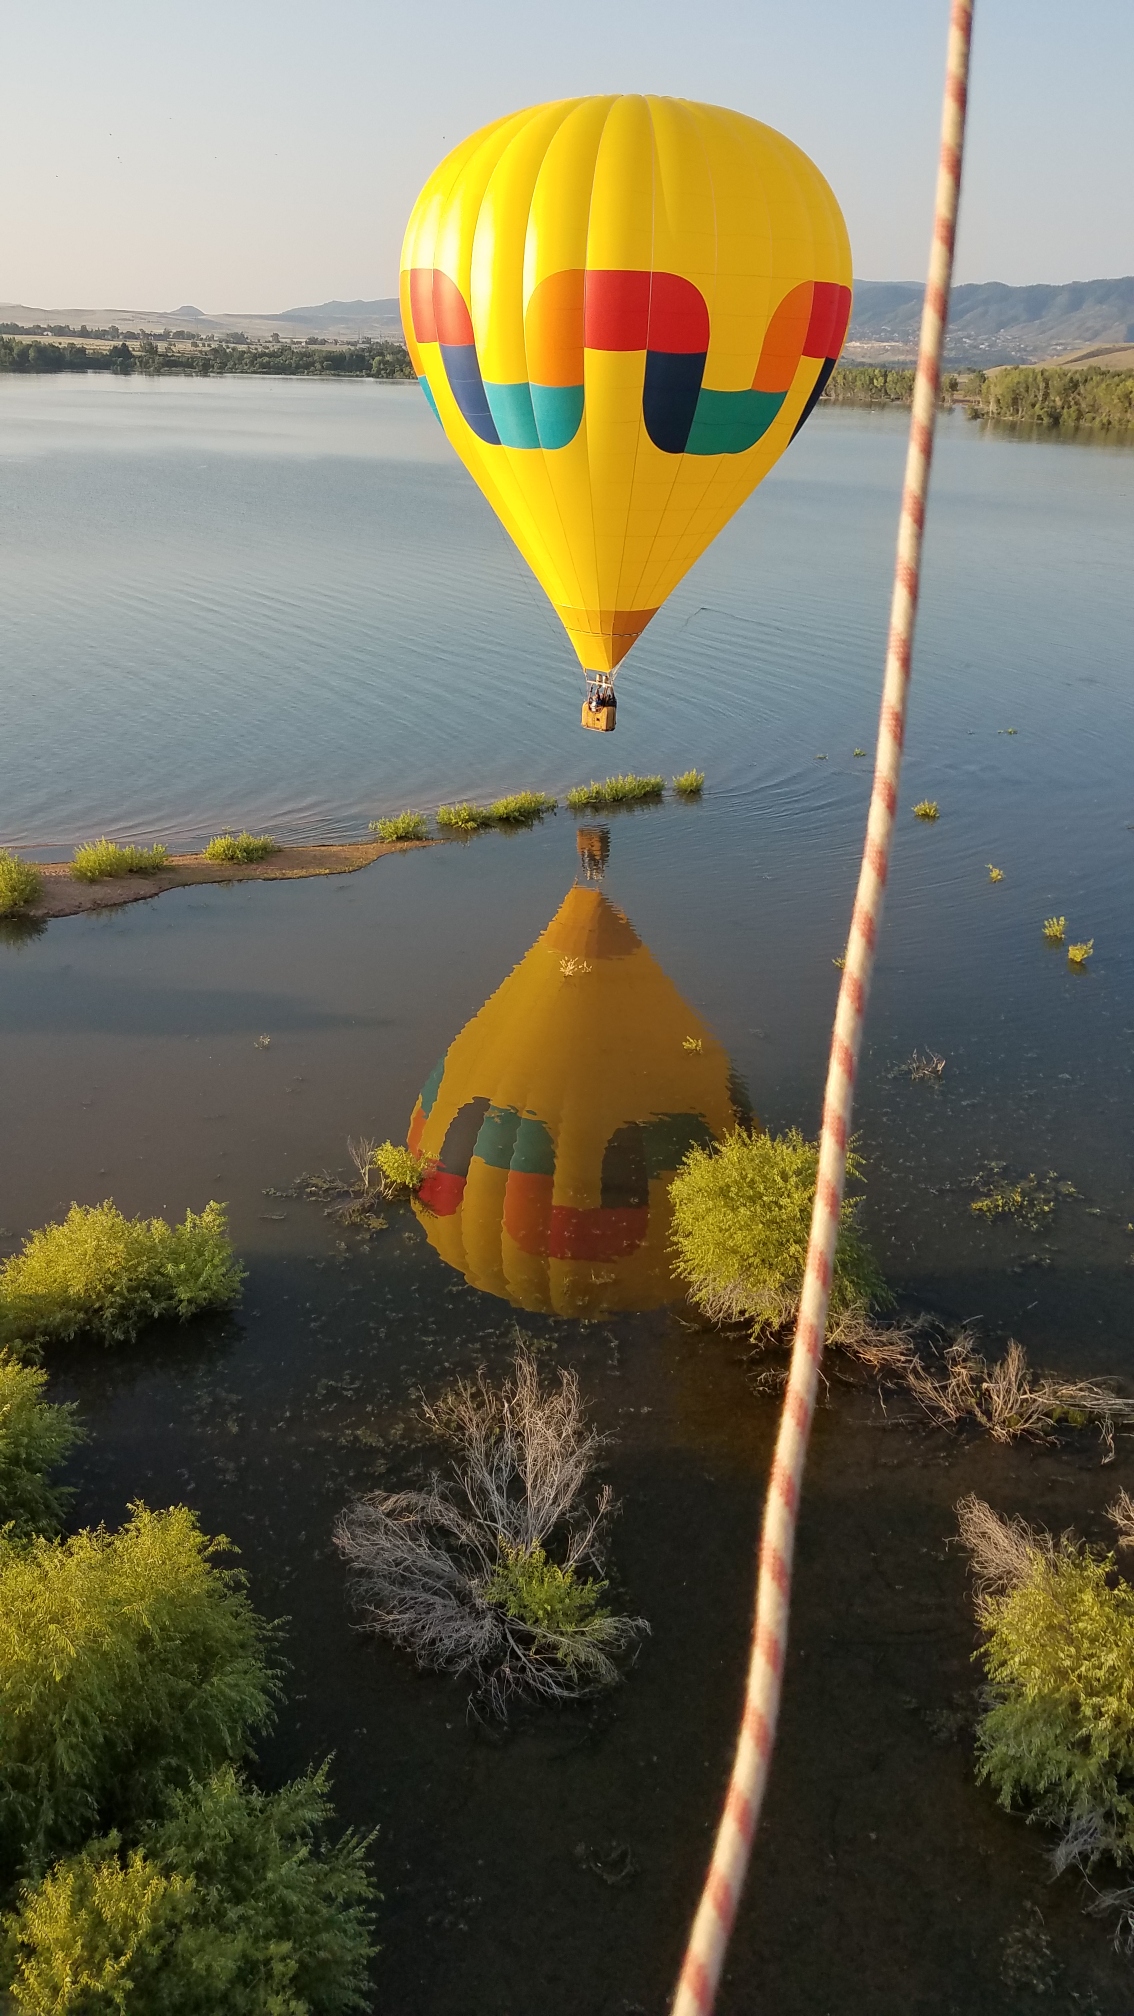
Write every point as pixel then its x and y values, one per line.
pixel 1058 1650
pixel 403 826
pixel 463 1574
pixel 522 809
pixel 399 1171
pixel 928 809
pixel 463 818
pixel 741 1223
pixel 129 1664
pixel 100 858
pixel 35 1437
pixel 234 1903
pixel 690 784
pixel 628 790
pixel 104 1274
pixel 241 847
pixel 20 883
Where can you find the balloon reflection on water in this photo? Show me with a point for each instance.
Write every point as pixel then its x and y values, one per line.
pixel 556 1118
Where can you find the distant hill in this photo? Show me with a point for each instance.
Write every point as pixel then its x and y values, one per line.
pixel 991 323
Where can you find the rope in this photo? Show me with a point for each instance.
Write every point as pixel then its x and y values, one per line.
pixel 712 1927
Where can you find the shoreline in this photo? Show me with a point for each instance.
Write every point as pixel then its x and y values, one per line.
pixel 63 896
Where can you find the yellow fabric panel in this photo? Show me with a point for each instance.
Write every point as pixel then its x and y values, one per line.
pixel 608 521
pixel 528 1050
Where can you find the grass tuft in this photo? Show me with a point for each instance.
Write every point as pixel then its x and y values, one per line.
pixel 995 874
pixel 1054 929
pixel 403 826
pixel 690 784
pixel 628 790
pixel 741 1223
pixel 105 1275
pixel 102 858
pixel 20 883
pixel 463 818
pixel 928 810
pixel 1078 955
pixel 522 809
pixel 241 847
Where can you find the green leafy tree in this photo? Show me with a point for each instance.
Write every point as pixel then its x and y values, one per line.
pixel 129 1664
pixel 35 1438
pixel 235 1902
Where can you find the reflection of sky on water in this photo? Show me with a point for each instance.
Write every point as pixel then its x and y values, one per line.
pixel 556 1118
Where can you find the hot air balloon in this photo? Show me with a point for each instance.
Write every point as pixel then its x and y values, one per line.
pixel 621 310
pixel 556 1118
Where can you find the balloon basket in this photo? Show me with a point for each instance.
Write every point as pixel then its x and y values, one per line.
pixel 600 718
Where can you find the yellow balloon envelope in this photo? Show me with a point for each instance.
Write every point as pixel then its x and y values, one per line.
pixel 556 1118
pixel 622 309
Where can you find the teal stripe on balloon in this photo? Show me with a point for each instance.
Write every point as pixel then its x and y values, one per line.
pixel 726 423
pixel 429 399
pixel 558 413
pixel 511 409
pixel 534 1152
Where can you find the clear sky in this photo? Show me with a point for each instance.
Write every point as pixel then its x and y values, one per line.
pixel 261 154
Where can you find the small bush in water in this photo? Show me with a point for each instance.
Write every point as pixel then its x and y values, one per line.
pixel 1078 955
pixel 928 810
pixel 108 1275
pixel 400 1172
pixel 101 858
pixel 690 784
pixel 234 1903
pixel 240 847
pixel 35 1437
pixel 403 826
pixel 628 790
pixel 129 1664
pixel 522 809
pixel 1054 929
pixel 741 1222
pixel 463 818
pixel 1058 1650
pixel 461 1574
pixel 20 883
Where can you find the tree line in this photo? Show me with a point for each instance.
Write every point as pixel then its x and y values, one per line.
pixel 386 359
pixel 1032 395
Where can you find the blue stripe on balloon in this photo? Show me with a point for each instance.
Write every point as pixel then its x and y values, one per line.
pixel 462 369
pixel 669 396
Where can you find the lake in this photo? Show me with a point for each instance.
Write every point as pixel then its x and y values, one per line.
pixel 284 605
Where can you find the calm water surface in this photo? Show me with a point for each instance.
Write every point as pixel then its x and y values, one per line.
pixel 282 604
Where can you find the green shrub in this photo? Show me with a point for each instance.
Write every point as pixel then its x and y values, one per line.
pixel 108 1275
pixel 741 1223
pixel 100 858
pixel 35 1437
pixel 404 826
pixel 241 847
pixel 628 790
pixel 20 883
pixel 928 809
pixel 522 809
pixel 1058 1651
pixel 527 1585
pixel 463 818
pixel 129 1664
pixel 235 1903
pixel 690 784
pixel 400 1170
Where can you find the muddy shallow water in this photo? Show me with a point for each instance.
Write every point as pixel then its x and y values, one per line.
pixel 133 1064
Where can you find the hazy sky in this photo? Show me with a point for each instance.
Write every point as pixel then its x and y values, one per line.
pixel 261 154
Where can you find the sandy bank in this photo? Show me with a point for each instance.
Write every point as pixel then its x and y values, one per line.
pixel 63 896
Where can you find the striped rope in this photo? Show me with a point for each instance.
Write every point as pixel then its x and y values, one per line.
pixel 712 1927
